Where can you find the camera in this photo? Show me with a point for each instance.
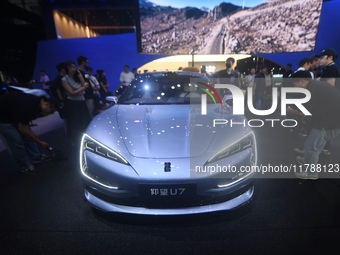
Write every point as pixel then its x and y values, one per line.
pixel 56 154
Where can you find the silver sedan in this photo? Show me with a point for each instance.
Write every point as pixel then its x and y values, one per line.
pixel 155 153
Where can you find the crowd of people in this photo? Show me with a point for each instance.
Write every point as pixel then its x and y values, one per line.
pixel 76 93
pixel 79 94
pixel 321 77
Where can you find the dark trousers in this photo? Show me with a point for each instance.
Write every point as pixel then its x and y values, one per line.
pixel 78 118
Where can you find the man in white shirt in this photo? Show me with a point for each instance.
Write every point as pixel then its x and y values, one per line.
pixel 126 76
pixel 44 79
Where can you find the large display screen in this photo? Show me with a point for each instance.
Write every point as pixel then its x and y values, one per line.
pixel 238 26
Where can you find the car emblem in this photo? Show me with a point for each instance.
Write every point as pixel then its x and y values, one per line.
pixel 167 166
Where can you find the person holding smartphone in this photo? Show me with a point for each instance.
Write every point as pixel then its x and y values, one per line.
pixel 77 115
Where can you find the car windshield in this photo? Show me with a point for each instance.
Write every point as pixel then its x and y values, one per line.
pixel 167 88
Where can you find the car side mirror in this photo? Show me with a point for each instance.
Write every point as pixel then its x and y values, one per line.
pixel 112 99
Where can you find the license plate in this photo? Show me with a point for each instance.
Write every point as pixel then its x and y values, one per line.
pixel 167 190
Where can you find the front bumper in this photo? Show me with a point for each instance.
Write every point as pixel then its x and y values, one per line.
pixel 232 201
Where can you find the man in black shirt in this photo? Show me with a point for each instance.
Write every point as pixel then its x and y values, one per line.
pixel 16 111
pixel 229 73
pixel 315 66
pixel 83 63
pixel 58 91
pixel 324 106
pixel 286 74
pixel 227 76
pixel 330 72
pixel 288 71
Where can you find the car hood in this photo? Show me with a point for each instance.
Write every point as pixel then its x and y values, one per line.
pixel 164 131
pixel 36 92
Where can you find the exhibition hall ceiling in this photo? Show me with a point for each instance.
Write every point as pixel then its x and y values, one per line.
pixel 105 17
pixel 104 21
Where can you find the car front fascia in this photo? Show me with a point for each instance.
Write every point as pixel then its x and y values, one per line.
pixel 125 197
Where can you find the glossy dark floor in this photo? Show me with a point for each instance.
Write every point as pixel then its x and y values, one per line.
pixel 47 214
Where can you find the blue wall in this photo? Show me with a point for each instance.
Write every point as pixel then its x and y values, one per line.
pixel 109 53
pixel 112 52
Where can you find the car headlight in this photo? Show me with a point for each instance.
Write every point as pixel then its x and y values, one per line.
pixel 245 142
pixel 90 144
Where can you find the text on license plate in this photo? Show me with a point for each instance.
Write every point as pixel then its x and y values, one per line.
pixel 169 190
